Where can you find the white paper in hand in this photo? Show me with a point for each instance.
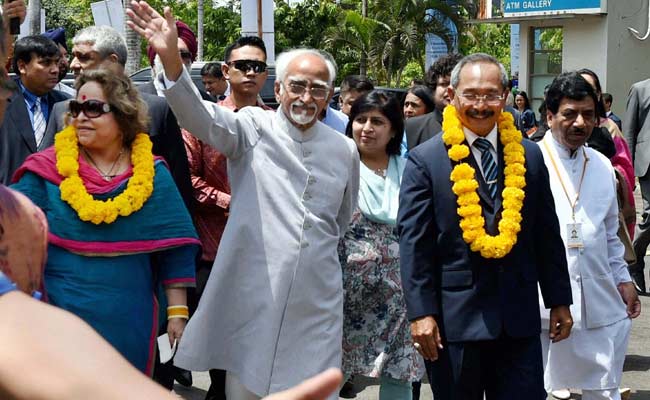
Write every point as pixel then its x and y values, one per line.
pixel 165 351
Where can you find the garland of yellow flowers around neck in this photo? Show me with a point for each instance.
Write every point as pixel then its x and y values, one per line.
pixel 137 192
pixel 465 186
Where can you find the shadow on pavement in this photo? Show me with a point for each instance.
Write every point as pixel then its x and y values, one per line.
pixel 635 362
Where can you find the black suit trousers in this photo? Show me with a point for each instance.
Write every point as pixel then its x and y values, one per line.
pixel 503 369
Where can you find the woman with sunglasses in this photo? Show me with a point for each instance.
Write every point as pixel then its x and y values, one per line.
pixel 118 226
pixel 376 338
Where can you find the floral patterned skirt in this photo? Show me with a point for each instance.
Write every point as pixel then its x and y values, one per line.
pixel 376 333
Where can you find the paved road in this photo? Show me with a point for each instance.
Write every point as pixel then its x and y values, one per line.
pixel 635 375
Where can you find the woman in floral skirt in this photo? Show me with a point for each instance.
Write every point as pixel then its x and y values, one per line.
pixel 376 338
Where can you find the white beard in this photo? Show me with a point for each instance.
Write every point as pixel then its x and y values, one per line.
pixel 302 118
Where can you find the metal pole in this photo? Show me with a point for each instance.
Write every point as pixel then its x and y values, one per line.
pixel 259 19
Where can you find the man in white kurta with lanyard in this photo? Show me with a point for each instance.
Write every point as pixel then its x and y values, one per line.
pixel 604 298
pixel 272 311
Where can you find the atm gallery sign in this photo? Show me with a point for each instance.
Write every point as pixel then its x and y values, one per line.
pixel 518 8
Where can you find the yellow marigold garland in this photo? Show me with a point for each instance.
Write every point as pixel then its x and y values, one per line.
pixel 137 192
pixel 465 186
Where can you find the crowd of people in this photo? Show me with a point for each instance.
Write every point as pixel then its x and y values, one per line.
pixel 450 233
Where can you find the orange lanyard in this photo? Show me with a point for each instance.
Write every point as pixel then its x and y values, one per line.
pixel 559 176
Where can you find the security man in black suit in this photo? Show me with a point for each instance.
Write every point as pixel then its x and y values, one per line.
pixel 422 128
pixel 35 61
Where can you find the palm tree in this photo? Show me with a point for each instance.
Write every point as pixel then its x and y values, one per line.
pixel 132 44
pixel 392 35
pixel 199 20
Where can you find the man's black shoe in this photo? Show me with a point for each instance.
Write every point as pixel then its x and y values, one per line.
pixel 183 376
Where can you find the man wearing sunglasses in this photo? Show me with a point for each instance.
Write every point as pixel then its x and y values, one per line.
pixel 245 70
pixel 36 60
pixel 272 310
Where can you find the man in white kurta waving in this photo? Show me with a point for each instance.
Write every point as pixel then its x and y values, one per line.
pixel 271 314
pixel 604 298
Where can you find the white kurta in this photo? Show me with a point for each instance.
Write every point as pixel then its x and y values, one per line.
pixel 592 357
pixel 272 310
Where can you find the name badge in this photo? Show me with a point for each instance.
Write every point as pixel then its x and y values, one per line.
pixel 574 235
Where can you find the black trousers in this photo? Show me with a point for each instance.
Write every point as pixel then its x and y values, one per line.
pixel 503 369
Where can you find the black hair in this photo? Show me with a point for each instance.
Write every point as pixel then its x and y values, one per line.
pixel 253 41
pixel 389 106
pixel 358 83
pixel 423 93
pixel 33 46
pixel 608 98
pixel 441 68
pixel 570 85
pixel 212 69
pixel 600 106
pixel 526 101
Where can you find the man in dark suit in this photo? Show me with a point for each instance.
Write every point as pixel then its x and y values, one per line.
pixel 476 320
pixel 636 128
pixel 103 46
pixel 36 61
pixel 422 128
pixel 608 99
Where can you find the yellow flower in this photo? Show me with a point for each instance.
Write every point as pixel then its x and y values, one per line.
pixel 458 151
pixel 465 186
pixel 137 192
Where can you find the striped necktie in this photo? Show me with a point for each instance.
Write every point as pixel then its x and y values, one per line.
pixel 488 164
pixel 39 121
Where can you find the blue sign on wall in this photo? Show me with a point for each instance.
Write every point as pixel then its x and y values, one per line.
pixel 536 7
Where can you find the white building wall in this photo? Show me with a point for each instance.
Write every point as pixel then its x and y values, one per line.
pixel 628 59
pixel 602 43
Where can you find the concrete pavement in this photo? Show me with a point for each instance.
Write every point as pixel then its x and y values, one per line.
pixel 635 375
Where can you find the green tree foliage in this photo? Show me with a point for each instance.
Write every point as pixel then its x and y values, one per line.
pixel 493 39
pixel 72 15
pixel 222 25
pixel 302 25
pixel 391 36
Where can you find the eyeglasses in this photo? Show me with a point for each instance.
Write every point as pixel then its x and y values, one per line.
pixel 318 93
pixel 90 108
pixel 246 65
pixel 491 99
pixel 185 54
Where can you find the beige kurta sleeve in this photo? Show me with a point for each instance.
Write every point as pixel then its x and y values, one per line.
pixel 229 132
pixel 349 203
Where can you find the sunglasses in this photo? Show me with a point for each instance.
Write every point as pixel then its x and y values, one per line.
pixel 185 54
pixel 246 65
pixel 90 108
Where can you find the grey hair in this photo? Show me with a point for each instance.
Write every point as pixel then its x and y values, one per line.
pixel 106 41
pixel 478 58
pixel 288 56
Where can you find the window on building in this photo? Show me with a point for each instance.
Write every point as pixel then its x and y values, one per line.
pixel 545 61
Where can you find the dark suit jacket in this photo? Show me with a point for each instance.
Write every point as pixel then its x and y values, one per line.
pixel 422 128
pixel 636 126
pixel 17 139
pixel 473 298
pixel 165 136
pixel 616 120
